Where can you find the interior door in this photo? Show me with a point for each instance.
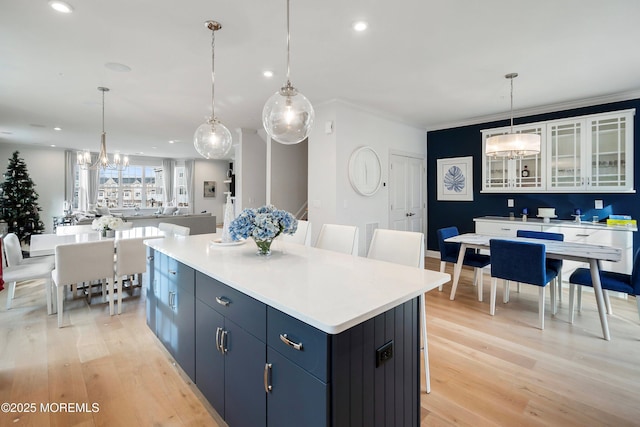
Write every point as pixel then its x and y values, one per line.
pixel 406 184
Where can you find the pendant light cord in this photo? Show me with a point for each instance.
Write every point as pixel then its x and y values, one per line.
pixel 213 73
pixel 288 48
pixel 512 102
pixel 103 111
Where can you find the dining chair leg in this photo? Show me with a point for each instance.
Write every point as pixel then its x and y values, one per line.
pixel 109 292
pixel 638 303
pixel 47 291
pixel 554 300
pixel 492 302
pixel 425 351
pixel 443 265
pixel 480 283
pixel 607 301
pixel 505 291
pixel 518 287
pixel 579 299
pixel 541 307
pixel 119 285
pixel 559 286
pixel 10 293
pixel 60 292
pixel 572 291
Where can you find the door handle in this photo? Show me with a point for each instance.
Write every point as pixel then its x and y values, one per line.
pixel 150 258
pixel 173 272
pixel 410 214
pixel 223 341
pixel 267 378
pixel 223 301
pixel 218 330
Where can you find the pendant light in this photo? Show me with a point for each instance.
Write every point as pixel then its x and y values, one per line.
pixel 288 115
pixel 84 158
pixel 212 139
pixel 512 145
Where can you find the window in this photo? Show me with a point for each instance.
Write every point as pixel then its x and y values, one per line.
pixel 182 197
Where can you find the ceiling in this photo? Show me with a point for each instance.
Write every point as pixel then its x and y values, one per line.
pixel 430 64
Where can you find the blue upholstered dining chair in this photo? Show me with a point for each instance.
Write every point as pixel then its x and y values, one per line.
pixel 611 281
pixel 449 253
pixel 554 264
pixel 521 262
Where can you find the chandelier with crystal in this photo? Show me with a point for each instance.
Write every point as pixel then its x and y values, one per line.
pixel 84 158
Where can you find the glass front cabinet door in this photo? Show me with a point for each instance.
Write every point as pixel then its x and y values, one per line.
pixel 590 153
pixel 512 175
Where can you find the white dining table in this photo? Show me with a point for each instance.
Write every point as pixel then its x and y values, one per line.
pixel 582 252
pixel 45 244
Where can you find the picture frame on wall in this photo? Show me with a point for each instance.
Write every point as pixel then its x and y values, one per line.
pixel 455 179
pixel 209 189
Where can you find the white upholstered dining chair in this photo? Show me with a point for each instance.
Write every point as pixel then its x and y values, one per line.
pixel 131 259
pixel 406 248
pixel 80 262
pixel 338 238
pixel 74 229
pixel 21 269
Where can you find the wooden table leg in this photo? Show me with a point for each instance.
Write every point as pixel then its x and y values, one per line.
pixel 597 289
pixel 457 270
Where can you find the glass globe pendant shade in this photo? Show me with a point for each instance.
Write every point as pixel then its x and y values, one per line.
pixel 212 140
pixel 288 115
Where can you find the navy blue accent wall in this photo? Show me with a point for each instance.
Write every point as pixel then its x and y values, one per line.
pixel 467 141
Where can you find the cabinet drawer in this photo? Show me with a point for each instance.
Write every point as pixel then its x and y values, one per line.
pixel 504 229
pixel 247 312
pixel 179 274
pixel 312 356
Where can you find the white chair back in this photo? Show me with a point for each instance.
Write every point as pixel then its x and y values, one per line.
pixel 131 256
pixel 302 236
pixel 74 229
pixel 338 238
pixel 82 262
pixel 125 226
pixel 166 227
pixel 12 250
pixel 400 247
pixel 179 230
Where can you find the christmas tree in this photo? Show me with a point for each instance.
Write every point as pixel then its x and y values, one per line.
pixel 19 201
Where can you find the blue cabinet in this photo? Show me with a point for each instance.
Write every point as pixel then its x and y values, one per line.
pixel 175 309
pixel 230 355
pixel 150 290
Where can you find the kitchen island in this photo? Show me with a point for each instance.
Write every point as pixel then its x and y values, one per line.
pixel 302 337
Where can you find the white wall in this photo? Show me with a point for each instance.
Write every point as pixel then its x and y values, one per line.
pixel 251 170
pixel 332 199
pixel 46 168
pixel 288 173
pixel 210 170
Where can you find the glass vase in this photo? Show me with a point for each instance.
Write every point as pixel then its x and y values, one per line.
pixel 264 247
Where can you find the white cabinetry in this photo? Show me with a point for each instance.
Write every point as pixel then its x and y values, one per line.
pixel 596 234
pixel 591 153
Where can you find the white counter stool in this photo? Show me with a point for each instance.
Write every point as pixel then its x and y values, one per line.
pixel 20 269
pixel 180 230
pixel 302 236
pixel 80 262
pixel 407 248
pixel 338 238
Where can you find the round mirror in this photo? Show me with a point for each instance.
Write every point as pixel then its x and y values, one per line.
pixel 365 171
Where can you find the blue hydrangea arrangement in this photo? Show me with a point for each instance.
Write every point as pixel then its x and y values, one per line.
pixel 262 224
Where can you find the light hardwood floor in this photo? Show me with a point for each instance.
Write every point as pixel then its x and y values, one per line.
pixel 485 370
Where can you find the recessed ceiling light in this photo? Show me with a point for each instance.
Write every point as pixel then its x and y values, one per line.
pixel 268 74
pixel 172 141
pixel 61 6
pixel 57 128
pixel 360 25
pixel 116 66
pixel 52 145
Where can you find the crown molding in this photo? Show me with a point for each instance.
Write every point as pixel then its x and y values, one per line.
pixel 543 109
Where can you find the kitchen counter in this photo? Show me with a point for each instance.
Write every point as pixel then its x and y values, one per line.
pixel 328 290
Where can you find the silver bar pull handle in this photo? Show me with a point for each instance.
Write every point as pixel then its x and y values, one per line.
pixel 287 341
pixel 173 272
pixel 582 235
pixel 150 258
pixel 223 341
pixel 218 330
pixel 267 378
pixel 223 301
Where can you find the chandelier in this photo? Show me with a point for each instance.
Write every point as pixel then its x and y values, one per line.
pixel 84 158
pixel 288 115
pixel 512 145
pixel 212 139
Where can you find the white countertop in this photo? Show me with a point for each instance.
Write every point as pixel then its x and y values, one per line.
pixel 564 223
pixel 328 290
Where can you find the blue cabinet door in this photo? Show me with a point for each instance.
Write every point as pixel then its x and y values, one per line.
pixel 209 360
pixel 150 290
pixel 183 334
pixel 163 309
pixel 245 396
pixel 297 398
